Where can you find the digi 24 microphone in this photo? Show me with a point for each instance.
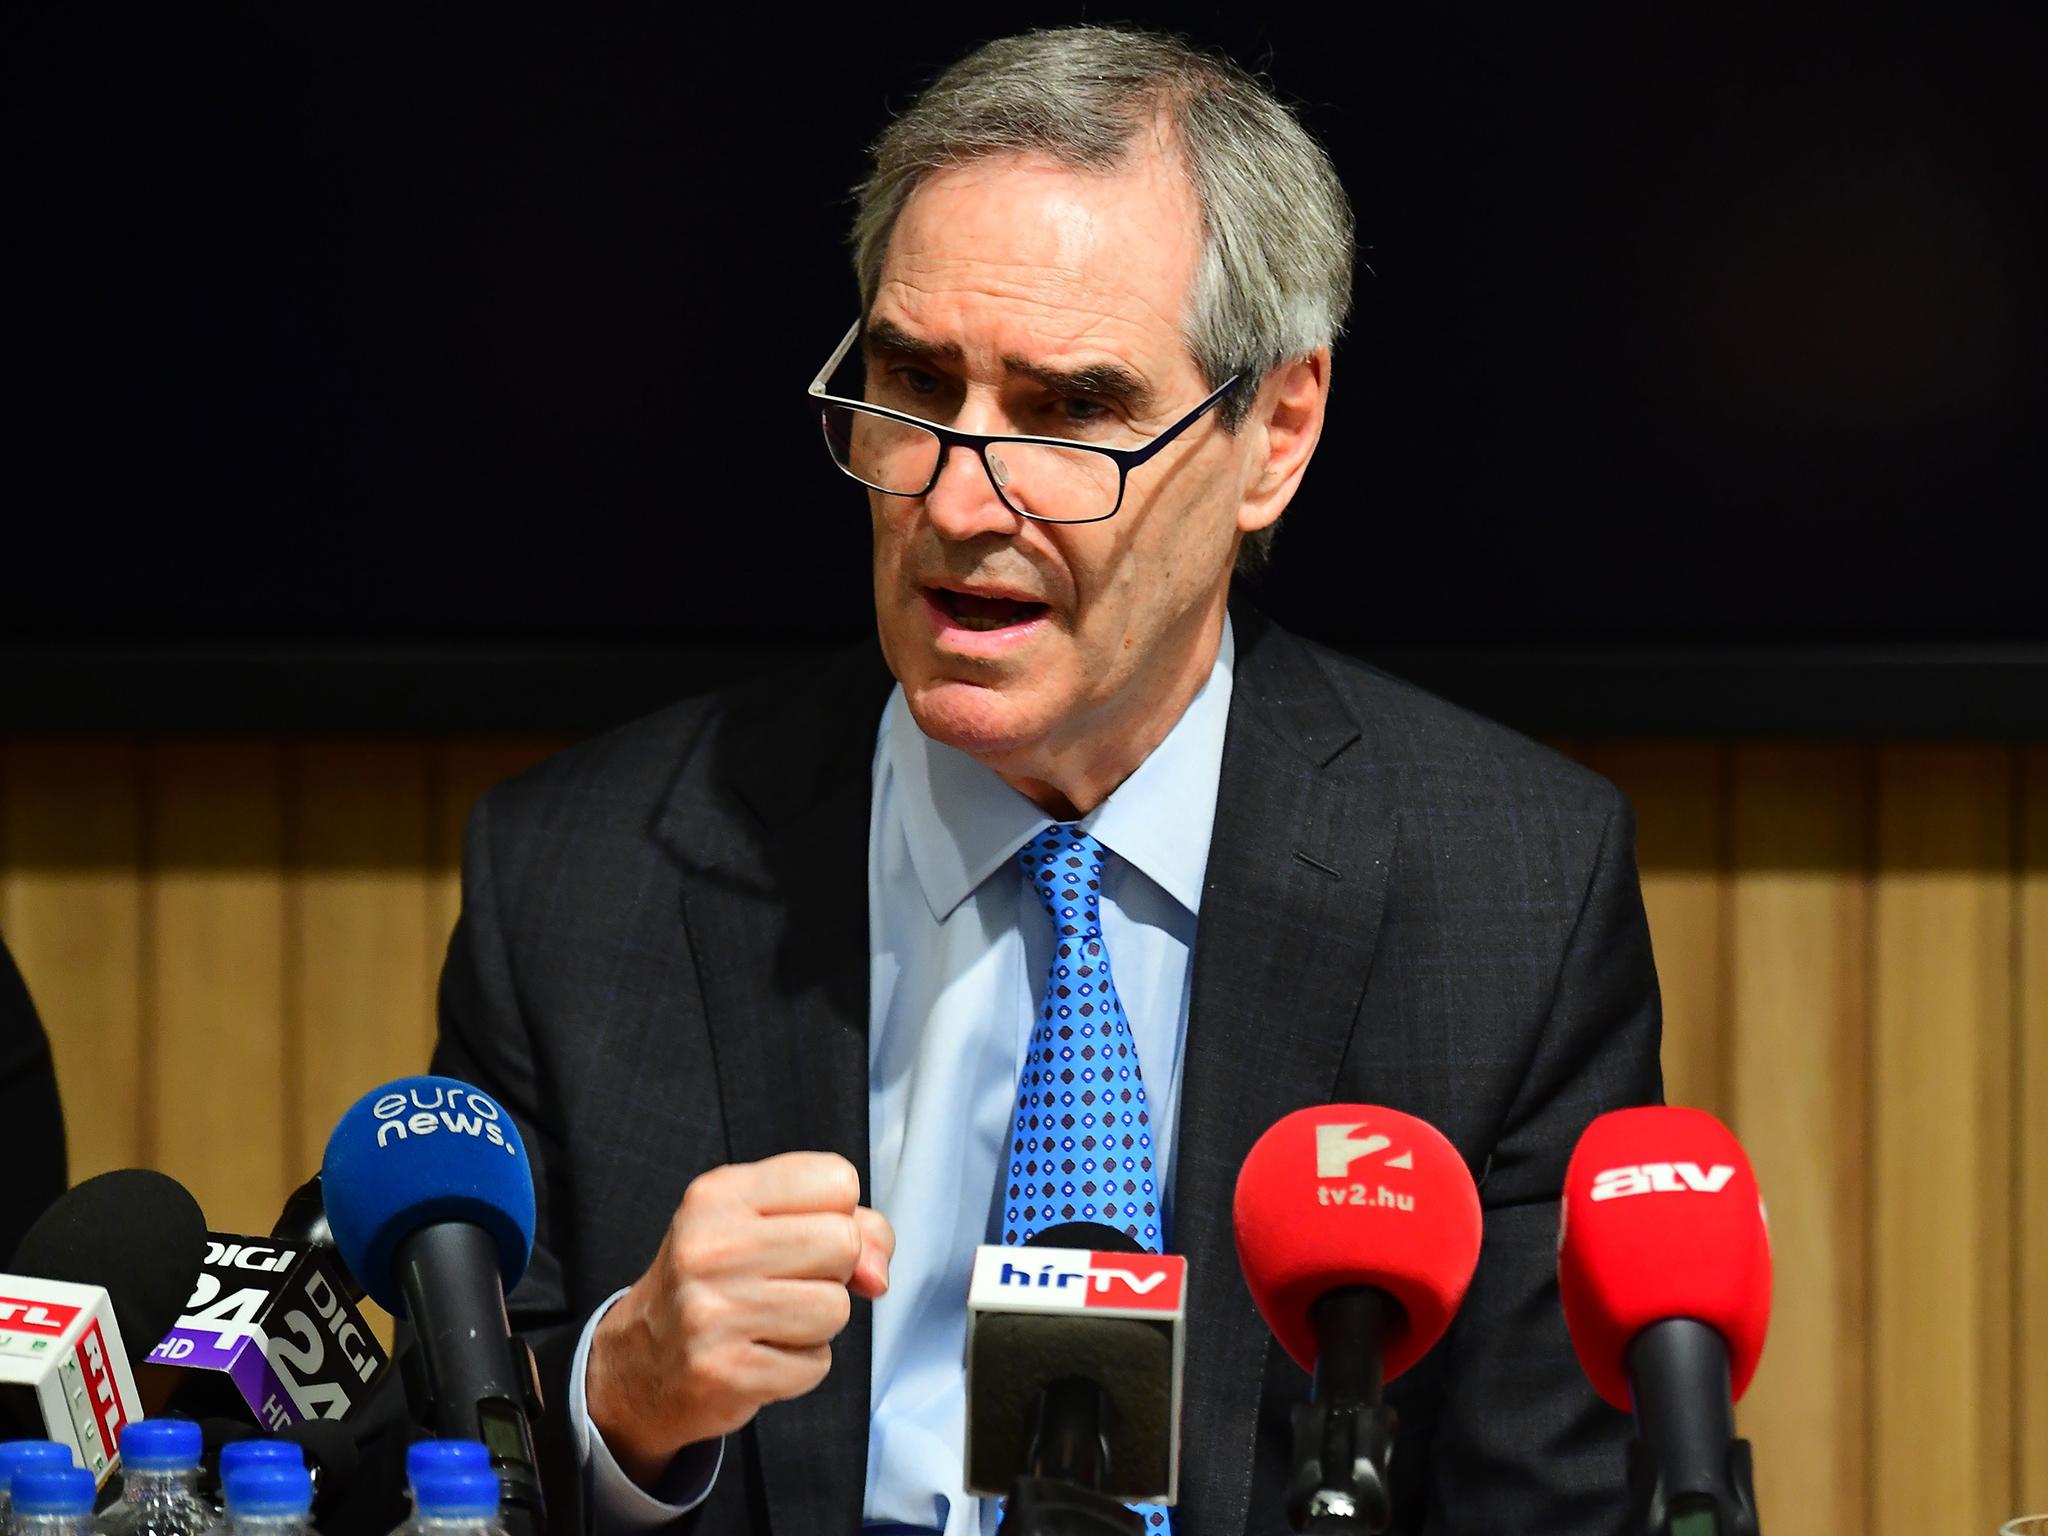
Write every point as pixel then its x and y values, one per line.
pixel 272 1325
pixel 97 1279
pixel 1664 1268
pixel 1358 1230
pixel 430 1199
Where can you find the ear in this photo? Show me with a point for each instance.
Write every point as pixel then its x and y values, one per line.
pixel 1285 423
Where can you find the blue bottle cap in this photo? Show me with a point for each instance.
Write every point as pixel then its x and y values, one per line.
pixel 270 1488
pixel 459 1455
pixel 160 1445
pixel 448 1493
pixel 44 1489
pixel 249 1453
pixel 15 1454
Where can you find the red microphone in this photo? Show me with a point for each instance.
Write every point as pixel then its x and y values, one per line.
pixel 1664 1268
pixel 1358 1231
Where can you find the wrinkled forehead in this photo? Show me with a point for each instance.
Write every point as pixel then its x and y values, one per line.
pixel 1012 249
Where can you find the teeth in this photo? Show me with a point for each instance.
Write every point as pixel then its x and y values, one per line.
pixel 981 624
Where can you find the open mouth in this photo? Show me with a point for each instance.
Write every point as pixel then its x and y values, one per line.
pixel 981 614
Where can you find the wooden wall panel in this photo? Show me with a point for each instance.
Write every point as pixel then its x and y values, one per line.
pixel 73 912
pixel 2030 1187
pixel 1799 1079
pixel 362 968
pixel 231 941
pixel 462 772
pixel 1680 794
pixel 220 994
pixel 1941 1130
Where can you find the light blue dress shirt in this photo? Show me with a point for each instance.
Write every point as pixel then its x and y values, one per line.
pixel 959 950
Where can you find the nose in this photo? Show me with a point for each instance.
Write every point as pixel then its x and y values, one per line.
pixel 962 502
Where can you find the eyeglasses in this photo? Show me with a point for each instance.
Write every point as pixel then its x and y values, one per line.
pixel 1047 479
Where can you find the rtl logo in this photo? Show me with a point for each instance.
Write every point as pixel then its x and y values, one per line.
pixel 48 1317
pixel 99 1382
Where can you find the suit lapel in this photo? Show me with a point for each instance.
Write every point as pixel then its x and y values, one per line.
pixel 1290 914
pixel 775 904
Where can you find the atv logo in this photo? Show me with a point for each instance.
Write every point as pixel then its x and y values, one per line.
pixel 1660 1179
pixel 1339 1146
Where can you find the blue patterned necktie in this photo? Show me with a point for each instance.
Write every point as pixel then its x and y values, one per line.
pixel 1082 1149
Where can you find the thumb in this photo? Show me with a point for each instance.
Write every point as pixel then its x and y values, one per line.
pixel 877 1246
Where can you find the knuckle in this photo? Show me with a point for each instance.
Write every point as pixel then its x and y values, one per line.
pixel 711 1187
pixel 706 1315
pixel 844 1178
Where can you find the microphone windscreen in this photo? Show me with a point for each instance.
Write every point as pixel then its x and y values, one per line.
pixel 1661 1220
pixel 1351 1194
pixel 416 1153
pixel 137 1234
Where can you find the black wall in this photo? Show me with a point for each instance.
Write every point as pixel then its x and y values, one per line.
pixel 461 325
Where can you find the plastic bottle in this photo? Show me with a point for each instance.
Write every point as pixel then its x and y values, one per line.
pixel 52 1501
pixel 160 1482
pixel 270 1498
pixel 16 1454
pixel 426 1457
pixel 449 1501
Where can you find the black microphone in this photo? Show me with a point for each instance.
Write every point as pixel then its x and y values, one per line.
pixel 94 1281
pixel 304 1221
pixel 135 1232
pixel 430 1199
pixel 1073 1376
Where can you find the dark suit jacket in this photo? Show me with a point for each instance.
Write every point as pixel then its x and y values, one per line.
pixel 662 966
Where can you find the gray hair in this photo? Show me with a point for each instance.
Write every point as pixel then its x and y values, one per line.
pixel 1274 280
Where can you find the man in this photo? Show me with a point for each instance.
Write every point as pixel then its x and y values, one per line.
pixel 29 1107
pixel 746 965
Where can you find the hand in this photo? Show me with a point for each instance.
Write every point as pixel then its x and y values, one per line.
pixel 752 1283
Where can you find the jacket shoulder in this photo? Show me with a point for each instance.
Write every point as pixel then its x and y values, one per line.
pixel 1408 724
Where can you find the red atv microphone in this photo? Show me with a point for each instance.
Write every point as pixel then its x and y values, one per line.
pixel 1664 1267
pixel 1358 1231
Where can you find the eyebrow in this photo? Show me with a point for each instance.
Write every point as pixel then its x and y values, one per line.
pixel 1112 382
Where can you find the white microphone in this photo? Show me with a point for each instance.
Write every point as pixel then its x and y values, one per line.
pixel 60 1345
pixel 1074 1362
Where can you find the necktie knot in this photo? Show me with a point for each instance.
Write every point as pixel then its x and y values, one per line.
pixel 1064 866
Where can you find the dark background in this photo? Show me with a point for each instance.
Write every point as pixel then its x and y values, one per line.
pixel 1683 337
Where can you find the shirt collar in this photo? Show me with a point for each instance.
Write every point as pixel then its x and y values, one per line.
pixel 962 822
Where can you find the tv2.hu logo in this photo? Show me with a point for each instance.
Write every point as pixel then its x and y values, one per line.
pixel 1338 1147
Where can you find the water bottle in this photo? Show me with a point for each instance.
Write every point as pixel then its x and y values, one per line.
pixel 426 1457
pixel 160 1482
pixel 50 1500
pixel 249 1453
pixel 270 1498
pixel 16 1454
pixel 451 1501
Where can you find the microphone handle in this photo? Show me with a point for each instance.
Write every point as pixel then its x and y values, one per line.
pixel 476 1381
pixel 1344 1434
pixel 1688 1474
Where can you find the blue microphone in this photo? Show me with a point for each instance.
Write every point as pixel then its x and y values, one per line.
pixel 430 1199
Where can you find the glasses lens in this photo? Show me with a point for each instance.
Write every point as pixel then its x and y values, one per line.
pixel 888 455
pixel 1052 483
pixel 1055 485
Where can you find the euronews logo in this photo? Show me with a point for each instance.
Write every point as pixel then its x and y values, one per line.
pixel 432 1111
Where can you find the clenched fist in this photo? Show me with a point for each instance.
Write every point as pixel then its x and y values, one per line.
pixel 752 1283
